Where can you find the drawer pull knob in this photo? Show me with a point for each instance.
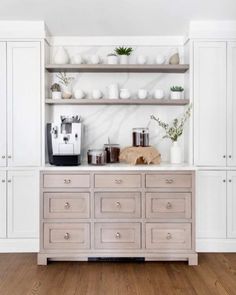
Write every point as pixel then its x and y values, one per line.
pixel 118 181
pixel 118 204
pixel 3 157
pixel 168 205
pixel 67 205
pixel 67 181
pixel 169 181
pixel 67 236
pixel 169 236
pixel 118 235
pixel 3 180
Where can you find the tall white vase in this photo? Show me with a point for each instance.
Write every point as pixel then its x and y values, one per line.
pixel 61 57
pixel 175 153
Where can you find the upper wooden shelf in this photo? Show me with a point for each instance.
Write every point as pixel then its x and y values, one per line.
pixel 87 101
pixel 105 68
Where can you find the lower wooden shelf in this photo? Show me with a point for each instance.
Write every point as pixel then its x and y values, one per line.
pixel 170 102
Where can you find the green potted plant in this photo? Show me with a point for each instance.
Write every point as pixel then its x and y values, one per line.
pixel 124 53
pixel 65 82
pixel 173 131
pixel 176 92
pixel 56 91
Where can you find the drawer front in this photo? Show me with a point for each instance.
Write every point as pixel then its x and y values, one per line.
pixel 66 236
pixel 66 205
pixel 117 180
pixel 168 205
pixel 117 235
pixel 169 180
pixel 117 205
pixel 164 236
pixel 66 180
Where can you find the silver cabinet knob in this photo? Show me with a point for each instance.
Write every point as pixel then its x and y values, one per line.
pixel 168 205
pixel 3 180
pixel 230 180
pixel 224 156
pixel 3 157
pixel 67 181
pixel 169 181
pixel 117 235
pixel 67 236
pixel 118 181
pixel 9 157
pixel 230 156
pixel 67 205
pixel 9 181
pixel 169 236
pixel 118 204
pixel 224 180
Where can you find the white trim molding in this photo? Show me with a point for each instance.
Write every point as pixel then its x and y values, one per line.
pixel 216 245
pixel 19 245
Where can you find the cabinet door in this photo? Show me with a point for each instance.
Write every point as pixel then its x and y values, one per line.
pixel 231 205
pixel 23 103
pixel 211 204
pixel 231 103
pixel 3 92
pixel 210 103
pixel 23 204
pixel 3 207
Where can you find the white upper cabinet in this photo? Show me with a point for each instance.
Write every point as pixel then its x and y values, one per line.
pixel 211 204
pixel 3 206
pixel 3 93
pixel 210 103
pixel 23 103
pixel 231 205
pixel 231 103
pixel 23 204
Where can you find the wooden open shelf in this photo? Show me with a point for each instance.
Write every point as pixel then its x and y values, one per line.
pixel 105 68
pixel 87 101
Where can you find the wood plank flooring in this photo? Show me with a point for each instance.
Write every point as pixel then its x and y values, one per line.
pixel 19 275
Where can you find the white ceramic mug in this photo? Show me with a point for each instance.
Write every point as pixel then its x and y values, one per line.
pixel 97 94
pixel 141 59
pixel 95 59
pixel 124 93
pixel 79 94
pixel 160 59
pixel 159 93
pixel 77 59
pixel 142 93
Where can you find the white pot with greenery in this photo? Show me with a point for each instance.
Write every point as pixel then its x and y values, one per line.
pixel 65 82
pixel 123 53
pixel 173 131
pixel 177 92
pixel 56 91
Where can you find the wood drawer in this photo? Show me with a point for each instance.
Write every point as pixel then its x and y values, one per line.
pixel 66 205
pixel 117 180
pixel 168 205
pixel 173 236
pixel 66 180
pixel 118 205
pixel 117 235
pixel 66 236
pixel 169 180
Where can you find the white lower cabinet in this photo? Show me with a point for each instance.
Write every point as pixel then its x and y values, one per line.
pixel 23 204
pixel 3 205
pixel 231 205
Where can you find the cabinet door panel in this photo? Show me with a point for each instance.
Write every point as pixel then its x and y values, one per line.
pixel 23 204
pixel 231 205
pixel 3 207
pixel 3 93
pixel 210 103
pixel 211 204
pixel 23 107
pixel 231 104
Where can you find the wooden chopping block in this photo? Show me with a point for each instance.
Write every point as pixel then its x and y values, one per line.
pixel 140 155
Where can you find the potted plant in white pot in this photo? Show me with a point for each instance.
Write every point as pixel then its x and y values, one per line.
pixel 56 91
pixel 124 53
pixel 177 92
pixel 65 82
pixel 173 131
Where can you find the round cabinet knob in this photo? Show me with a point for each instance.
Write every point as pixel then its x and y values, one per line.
pixel 3 180
pixel 67 181
pixel 67 205
pixel 118 235
pixel 230 180
pixel 9 181
pixel 67 236
pixel 118 181
pixel 169 181
pixel 168 205
pixel 169 236
pixel 3 157
pixel 224 156
pixel 224 180
pixel 9 157
pixel 118 204
pixel 230 156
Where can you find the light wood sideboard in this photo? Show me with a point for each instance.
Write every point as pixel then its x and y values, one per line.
pixel 138 214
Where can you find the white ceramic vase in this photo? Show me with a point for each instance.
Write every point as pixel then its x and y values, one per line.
pixel 113 91
pixel 66 92
pixel 175 153
pixel 176 94
pixel 61 57
pixel 124 59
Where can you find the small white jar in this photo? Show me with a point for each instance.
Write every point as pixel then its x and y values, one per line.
pixel 112 59
pixel 97 94
pixel 177 94
pixel 77 59
pixel 160 59
pixel 142 93
pixel 141 60
pixel 95 59
pixel 159 94
pixel 124 93
pixel 56 94
pixel 79 94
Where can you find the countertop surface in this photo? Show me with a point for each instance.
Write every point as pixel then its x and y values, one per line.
pixel 122 167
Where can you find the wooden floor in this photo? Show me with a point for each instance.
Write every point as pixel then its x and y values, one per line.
pixel 19 275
